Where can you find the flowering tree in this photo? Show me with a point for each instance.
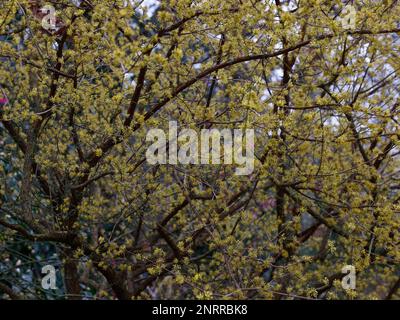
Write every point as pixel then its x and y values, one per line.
pixel 77 192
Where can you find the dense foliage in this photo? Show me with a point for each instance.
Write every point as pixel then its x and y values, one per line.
pixel 76 191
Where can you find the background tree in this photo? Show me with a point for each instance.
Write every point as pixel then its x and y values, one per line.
pixel 77 191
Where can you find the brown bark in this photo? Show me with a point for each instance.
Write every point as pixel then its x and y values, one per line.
pixel 71 277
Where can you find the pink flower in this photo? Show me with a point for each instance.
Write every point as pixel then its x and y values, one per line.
pixel 3 101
